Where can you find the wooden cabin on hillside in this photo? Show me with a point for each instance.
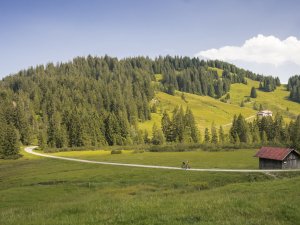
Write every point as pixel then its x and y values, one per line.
pixel 265 113
pixel 278 158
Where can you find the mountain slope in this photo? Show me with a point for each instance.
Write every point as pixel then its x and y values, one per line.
pixel 208 110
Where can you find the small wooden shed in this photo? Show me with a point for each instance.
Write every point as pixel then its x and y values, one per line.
pixel 278 158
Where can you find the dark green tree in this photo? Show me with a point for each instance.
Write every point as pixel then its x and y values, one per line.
pixel 214 134
pixel 157 135
pixel 253 93
pixel 206 136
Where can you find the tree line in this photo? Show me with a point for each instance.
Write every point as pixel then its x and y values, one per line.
pixel 267 130
pixel 267 83
pixel 261 131
pixel 294 88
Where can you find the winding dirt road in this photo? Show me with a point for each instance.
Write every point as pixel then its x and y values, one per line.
pixel 31 148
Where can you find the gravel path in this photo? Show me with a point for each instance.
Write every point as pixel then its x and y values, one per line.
pixel 31 148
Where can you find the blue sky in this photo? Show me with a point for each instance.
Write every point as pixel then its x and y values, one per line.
pixel 37 32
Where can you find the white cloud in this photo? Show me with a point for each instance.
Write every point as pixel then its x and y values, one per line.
pixel 260 49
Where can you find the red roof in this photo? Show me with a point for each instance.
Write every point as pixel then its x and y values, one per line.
pixel 273 153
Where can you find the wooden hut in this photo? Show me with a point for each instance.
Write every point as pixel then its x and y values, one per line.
pixel 278 158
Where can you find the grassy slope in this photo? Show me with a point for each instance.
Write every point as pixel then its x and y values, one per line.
pixel 242 159
pixel 208 110
pixel 47 191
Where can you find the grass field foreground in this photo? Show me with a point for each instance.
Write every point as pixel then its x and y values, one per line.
pixel 35 191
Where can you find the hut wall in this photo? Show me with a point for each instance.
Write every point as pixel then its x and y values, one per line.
pixel 292 161
pixel 269 164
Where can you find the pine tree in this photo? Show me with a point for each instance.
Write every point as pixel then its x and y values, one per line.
pixel 253 93
pixel 255 134
pixel 157 135
pixel 295 133
pixel 146 137
pixel 206 136
pixel 214 134
pixel 187 138
pixel 190 124
pixel 179 123
pixel 242 128
pixel 264 138
pixel 221 135
pixel 166 124
pixel 9 142
pixel 169 128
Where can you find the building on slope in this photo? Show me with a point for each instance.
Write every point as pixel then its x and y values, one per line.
pixel 265 113
pixel 278 158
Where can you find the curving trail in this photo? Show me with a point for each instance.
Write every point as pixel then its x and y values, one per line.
pixel 31 148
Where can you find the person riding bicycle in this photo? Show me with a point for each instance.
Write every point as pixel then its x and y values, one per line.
pixel 185 165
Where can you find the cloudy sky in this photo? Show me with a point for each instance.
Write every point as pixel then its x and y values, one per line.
pixel 261 35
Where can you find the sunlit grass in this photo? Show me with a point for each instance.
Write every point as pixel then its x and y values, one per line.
pixel 50 191
pixel 240 159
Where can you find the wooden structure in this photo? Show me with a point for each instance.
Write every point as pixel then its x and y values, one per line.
pixel 265 113
pixel 278 158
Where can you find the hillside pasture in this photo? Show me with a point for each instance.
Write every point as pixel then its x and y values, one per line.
pixel 208 110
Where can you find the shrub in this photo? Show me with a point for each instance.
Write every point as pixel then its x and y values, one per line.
pixel 138 151
pixel 116 152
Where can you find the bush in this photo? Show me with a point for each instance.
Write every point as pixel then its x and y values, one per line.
pixel 17 156
pixel 116 152
pixel 138 151
pixel 174 148
pixel 67 149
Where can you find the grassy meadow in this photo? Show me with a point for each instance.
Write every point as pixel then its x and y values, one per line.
pixel 42 191
pixel 241 159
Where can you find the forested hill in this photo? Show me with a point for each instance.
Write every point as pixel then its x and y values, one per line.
pixel 98 101
pixel 294 88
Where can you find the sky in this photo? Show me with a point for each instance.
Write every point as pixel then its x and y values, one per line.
pixel 260 35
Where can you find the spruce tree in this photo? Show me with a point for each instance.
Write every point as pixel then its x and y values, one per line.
pixel 221 135
pixel 255 134
pixel 190 124
pixel 264 138
pixel 157 135
pixel 214 134
pixel 9 142
pixel 206 136
pixel 253 93
pixel 295 134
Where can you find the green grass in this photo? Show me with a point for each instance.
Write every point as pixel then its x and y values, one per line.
pixel 35 191
pixel 240 159
pixel 219 71
pixel 158 77
pixel 208 110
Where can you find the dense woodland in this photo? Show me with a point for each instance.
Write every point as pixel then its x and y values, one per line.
pixel 97 101
pixel 269 84
pixel 294 88
pixel 266 130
